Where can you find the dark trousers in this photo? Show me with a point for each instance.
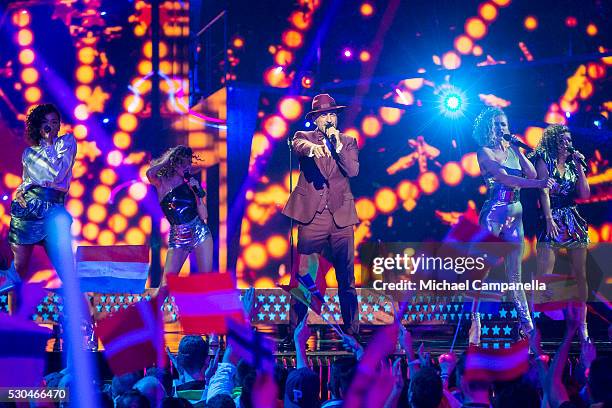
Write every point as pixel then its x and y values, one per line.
pixel 323 236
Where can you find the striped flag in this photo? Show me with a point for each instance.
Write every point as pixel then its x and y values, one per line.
pixel 133 338
pixel 486 301
pixel 497 364
pixel 316 266
pixel 205 301
pixel 113 269
pixel 560 290
pixel 254 347
pixel 22 352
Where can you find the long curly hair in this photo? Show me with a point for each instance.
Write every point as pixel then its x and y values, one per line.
pixel 483 125
pixel 174 157
pixel 34 120
pixel 549 144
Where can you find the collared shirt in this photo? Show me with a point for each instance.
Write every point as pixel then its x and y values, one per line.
pixel 49 166
pixel 326 142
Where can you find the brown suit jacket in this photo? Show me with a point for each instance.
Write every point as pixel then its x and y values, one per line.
pixel 333 172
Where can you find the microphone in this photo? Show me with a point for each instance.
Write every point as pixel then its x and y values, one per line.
pixel 329 125
pixel 194 183
pixel 515 141
pixel 571 151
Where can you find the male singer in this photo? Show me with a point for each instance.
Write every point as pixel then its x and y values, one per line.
pixel 322 202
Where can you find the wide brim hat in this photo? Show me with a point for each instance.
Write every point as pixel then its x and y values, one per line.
pixel 323 103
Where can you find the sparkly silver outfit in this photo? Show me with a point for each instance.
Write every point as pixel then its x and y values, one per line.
pixel 502 214
pixel 188 235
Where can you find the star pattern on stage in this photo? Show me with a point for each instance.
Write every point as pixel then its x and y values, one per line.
pixel 496 330
pixel 507 330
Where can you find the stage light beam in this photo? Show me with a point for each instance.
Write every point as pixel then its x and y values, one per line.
pixel 452 101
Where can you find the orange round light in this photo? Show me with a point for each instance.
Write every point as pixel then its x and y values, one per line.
pixel 300 20
pixel 277 246
pixel 290 108
pixel 366 9
pixel 407 190
pixel 138 191
pixel 464 44
pixel 114 158
pixel 87 55
pixel 275 126
pixel 145 224
pixel 469 164
pixel 292 38
pixel 108 177
pixel 127 122
pixel 29 75
pixel 238 42
pixel 128 207
pixel 487 11
pixel 475 28
pixel 106 238
pixel 452 174
pixel 32 94
pixel 74 207
pixel 371 126
pixel 390 115
pixel 413 84
pixel 259 144
pixel 255 212
pixel 163 49
pixel 477 51
pixel 428 182
pixel 366 210
pixel 133 103
pixel 596 71
pixel 145 67
pixel 135 236
pixel 117 223
pixel 530 23
pixel 101 194
pixel 451 60
pixel 592 30
pixel 83 92
pixel 364 56
pixel 24 37
pixel 11 181
pixel 122 140
pixel 385 200
pixel 147 49
pixel 255 256
pixel 85 74
pixel 81 112
pixel 533 135
pixel 165 67
pixel 21 18
pixel 283 58
pixel 502 3
pixel 76 189
pixel 90 231
pixel 26 57
pixel 96 213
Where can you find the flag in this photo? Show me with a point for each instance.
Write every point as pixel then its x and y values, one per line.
pixel 204 302
pixel 113 269
pixel 488 301
pixel 22 352
pixel 560 290
pixel 253 347
pixel 316 266
pixel 497 364
pixel 133 338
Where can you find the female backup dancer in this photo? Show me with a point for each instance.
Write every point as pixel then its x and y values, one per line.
pixel 505 170
pixel 565 228
pixel 182 200
pixel 39 200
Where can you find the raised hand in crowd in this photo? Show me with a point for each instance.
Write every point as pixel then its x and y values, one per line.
pixel 352 345
pixel 300 336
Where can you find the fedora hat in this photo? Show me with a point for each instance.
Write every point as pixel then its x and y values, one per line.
pixel 323 103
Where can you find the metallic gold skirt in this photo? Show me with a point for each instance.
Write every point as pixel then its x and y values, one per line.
pixel 188 236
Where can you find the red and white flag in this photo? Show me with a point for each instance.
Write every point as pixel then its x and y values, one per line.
pixel 133 338
pixel 497 364
pixel 204 302
pixel 560 290
pixel 113 269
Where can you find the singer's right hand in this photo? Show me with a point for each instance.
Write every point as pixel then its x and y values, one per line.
pixel 320 150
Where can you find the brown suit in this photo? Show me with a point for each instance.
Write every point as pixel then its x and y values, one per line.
pixel 323 205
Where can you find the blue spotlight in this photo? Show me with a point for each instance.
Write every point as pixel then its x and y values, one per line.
pixel 307 124
pixel 105 120
pixel 452 101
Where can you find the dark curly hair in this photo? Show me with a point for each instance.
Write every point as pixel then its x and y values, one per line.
pixel 549 144
pixel 34 120
pixel 174 157
pixel 483 125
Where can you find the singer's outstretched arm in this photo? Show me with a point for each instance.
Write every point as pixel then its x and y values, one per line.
pixel 348 158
